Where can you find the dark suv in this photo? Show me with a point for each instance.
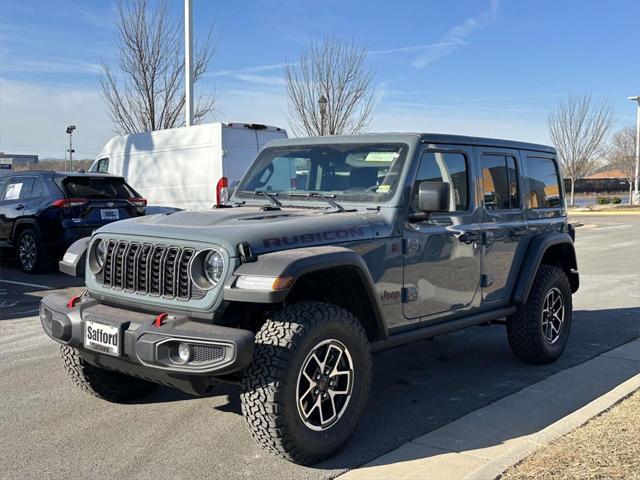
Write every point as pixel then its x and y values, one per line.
pixel 335 247
pixel 43 212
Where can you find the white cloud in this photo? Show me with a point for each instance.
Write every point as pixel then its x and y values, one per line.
pixel 454 38
pixel 33 118
pixel 259 68
pixel 60 65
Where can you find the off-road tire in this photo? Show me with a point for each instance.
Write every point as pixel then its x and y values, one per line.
pixel 32 235
pixel 270 383
pixel 524 328
pixel 107 385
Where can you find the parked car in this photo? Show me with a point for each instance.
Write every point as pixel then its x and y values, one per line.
pixel 188 167
pixel 335 247
pixel 43 212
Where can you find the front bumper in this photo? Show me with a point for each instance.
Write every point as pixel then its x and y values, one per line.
pixel 149 351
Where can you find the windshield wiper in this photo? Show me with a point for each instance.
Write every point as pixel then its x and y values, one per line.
pixel 271 196
pixel 327 198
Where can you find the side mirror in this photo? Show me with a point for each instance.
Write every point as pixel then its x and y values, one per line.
pixel 433 197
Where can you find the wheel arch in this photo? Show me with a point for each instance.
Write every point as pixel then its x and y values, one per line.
pixel 331 274
pixel 21 225
pixel 548 249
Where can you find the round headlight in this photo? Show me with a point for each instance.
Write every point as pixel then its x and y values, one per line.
pixel 100 251
pixel 213 266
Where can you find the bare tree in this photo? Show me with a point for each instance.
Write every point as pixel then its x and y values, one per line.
pixel 579 128
pixel 338 73
pixel 148 91
pixel 622 155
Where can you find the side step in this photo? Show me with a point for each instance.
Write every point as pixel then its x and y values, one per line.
pixel 447 326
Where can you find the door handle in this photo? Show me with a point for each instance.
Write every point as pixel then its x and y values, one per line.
pixel 470 237
pixel 19 207
pixel 517 233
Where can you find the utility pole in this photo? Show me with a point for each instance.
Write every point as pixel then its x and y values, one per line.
pixel 635 198
pixel 70 130
pixel 188 64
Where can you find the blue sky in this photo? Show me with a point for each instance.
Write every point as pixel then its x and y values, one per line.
pixel 478 67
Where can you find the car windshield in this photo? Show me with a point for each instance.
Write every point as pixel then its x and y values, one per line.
pixel 347 172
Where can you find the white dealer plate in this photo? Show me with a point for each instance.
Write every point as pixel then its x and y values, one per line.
pixel 110 214
pixel 102 338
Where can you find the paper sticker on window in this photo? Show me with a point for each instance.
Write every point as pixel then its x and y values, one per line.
pixel 384 188
pixel 13 191
pixel 384 157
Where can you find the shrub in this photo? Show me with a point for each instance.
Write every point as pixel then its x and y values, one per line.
pixel 616 200
pixel 603 200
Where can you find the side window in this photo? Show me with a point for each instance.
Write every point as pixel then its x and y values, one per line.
pixel 445 167
pixel 103 165
pixel 544 183
pixel 38 189
pixel 500 182
pixel 17 188
pixel 27 188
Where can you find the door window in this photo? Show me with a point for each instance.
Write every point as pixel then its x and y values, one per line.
pixel 445 167
pixel 18 188
pixel 102 166
pixel 500 182
pixel 544 183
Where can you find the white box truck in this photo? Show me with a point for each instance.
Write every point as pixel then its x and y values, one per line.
pixel 187 167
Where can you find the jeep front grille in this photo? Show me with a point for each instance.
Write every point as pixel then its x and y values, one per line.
pixel 155 270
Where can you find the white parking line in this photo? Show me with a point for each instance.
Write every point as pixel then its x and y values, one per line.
pixel 24 284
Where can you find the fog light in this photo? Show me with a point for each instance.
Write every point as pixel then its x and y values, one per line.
pixel 184 352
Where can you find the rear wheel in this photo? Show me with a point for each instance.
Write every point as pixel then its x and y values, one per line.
pixel 105 384
pixel 307 386
pixel 29 250
pixel 539 330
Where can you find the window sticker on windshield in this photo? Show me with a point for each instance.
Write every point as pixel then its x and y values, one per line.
pixel 13 191
pixel 385 157
pixel 384 188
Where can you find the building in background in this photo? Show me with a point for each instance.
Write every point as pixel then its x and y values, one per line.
pixel 9 161
pixel 607 181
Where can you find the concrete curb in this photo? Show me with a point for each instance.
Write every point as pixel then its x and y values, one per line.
pixel 484 443
pixel 601 213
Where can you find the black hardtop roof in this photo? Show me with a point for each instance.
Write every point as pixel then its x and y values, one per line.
pixel 416 137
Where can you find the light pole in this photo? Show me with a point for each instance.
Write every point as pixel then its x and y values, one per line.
pixel 70 130
pixel 188 65
pixel 323 111
pixel 635 199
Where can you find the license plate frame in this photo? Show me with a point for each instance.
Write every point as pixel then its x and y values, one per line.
pixel 102 338
pixel 110 214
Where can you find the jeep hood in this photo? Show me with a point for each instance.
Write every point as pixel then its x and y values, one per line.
pixel 264 230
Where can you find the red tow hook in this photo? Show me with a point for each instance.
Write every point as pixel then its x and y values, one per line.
pixel 72 302
pixel 160 319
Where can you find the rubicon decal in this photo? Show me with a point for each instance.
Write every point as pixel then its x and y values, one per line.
pixel 328 236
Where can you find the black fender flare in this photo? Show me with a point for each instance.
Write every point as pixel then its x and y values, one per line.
pixel 293 264
pixel 18 225
pixel 534 254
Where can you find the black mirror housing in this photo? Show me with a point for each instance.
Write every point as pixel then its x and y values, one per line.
pixel 433 197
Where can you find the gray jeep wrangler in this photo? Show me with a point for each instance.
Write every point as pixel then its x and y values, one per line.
pixel 330 249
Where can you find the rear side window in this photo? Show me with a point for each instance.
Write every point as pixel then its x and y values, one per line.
pixel 18 188
pixel 96 187
pixel 445 167
pixel 102 166
pixel 500 182
pixel 544 183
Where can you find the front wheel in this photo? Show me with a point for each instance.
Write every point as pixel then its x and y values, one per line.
pixel 539 329
pixel 307 386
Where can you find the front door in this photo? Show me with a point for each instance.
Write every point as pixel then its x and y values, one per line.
pixel 503 221
pixel 442 253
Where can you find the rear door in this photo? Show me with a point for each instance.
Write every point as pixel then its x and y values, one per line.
pixel 504 222
pixel 442 253
pixel 13 203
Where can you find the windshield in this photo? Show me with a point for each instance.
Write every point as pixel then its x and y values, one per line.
pixel 347 172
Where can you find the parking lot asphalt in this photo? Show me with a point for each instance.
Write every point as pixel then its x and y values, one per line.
pixel 49 429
